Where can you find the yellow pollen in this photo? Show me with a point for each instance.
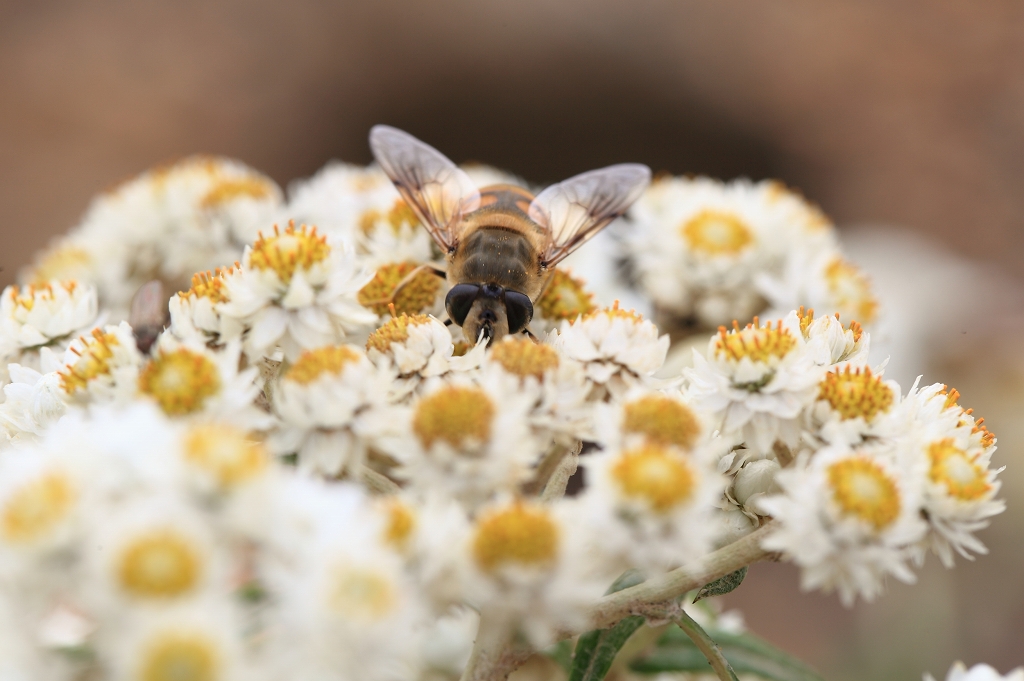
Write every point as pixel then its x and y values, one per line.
pixel 399 214
pixel 225 453
pixel 395 330
pixel 210 285
pixel 26 297
pixel 401 523
pixel 361 593
pixel 62 262
pixel 519 534
pixel 806 318
pixel 615 312
pixel 93 360
pixel 180 656
pixel 162 564
pixel 523 357
pixel 656 475
pixel 415 296
pixel 460 348
pixel 37 507
pixel 662 420
pixel 862 489
pixel 958 472
pixel 312 364
pixel 565 298
pixel 284 252
pixel 459 416
pixel 716 232
pixel 851 290
pixel 855 393
pixel 754 341
pixel 227 190
pixel 180 381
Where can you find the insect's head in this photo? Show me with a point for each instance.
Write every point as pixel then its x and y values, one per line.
pixel 488 309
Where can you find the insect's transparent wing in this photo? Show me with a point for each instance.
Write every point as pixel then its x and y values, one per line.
pixel 434 187
pixel 575 210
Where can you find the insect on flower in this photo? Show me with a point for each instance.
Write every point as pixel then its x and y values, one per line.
pixel 501 242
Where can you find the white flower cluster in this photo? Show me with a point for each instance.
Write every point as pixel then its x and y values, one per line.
pixel 308 476
pixel 711 252
pixel 860 479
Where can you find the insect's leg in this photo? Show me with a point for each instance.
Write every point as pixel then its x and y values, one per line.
pixel 448 322
pixel 529 334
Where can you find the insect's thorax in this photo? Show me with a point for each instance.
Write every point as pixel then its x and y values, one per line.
pixel 499 244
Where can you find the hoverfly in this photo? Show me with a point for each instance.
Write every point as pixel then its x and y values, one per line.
pixel 501 243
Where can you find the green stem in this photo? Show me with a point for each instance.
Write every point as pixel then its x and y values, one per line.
pixel 704 643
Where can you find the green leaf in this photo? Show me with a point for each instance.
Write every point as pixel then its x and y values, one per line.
pixel 745 652
pixel 596 650
pixel 722 585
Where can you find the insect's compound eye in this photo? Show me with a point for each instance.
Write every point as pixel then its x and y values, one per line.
pixel 459 301
pixel 519 310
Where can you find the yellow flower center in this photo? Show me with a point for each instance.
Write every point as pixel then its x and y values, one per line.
pixel 851 290
pixel 656 475
pixel 93 361
pixel 180 656
pixel 988 438
pixel 180 381
pixel 312 364
pixel 415 296
pixel 399 214
pixel 520 534
pixel 161 564
pixel 716 232
pixel 37 507
pixel 459 416
pixel 395 330
pixel 361 593
pixel 565 298
pixel 523 357
pixel 855 393
pixel 864 490
pixel 288 251
pixel 754 341
pixel 806 318
pixel 62 262
pixel 460 348
pixel 210 285
pixel 225 453
pixel 662 420
pixel 959 473
pixel 401 523
pixel 615 312
pixel 26 297
pixel 229 189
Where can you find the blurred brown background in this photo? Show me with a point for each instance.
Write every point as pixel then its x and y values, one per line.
pixel 905 113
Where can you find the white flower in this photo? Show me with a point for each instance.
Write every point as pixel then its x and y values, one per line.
pixel 167 223
pixel 327 402
pixel 650 505
pixel 413 347
pixel 618 348
pixel 848 519
pixel 464 440
pixel 854 404
pixel 194 313
pixel 699 246
pixel 529 569
pixel 979 672
pixel 35 401
pixel 342 198
pixel 103 366
pixel 39 315
pixel 755 382
pixel 193 381
pixel 296 292
pixel 961 485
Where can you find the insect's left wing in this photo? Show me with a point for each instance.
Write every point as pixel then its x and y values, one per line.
pixel 434 187
pixel 575 210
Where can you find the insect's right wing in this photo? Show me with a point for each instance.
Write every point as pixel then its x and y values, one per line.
pixel 573 211
pixel 434 187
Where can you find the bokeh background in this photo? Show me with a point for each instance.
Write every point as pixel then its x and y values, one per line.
pixel 903 120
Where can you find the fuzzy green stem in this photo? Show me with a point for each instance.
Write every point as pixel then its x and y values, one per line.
pixel 704 643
